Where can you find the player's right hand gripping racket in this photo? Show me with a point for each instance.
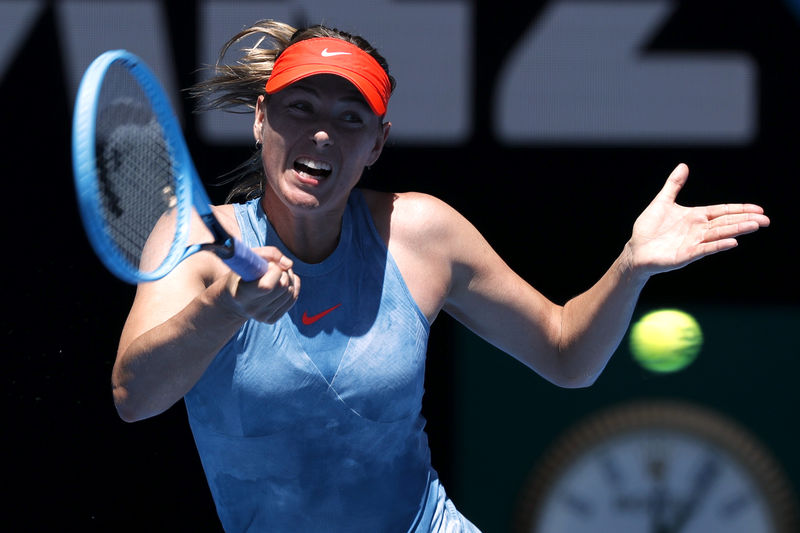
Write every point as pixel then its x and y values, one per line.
pixel 135 180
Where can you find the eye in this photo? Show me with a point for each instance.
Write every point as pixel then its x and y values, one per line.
pixel 301 106
pixel 352 117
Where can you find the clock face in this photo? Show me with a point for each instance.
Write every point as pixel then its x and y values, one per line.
pixel 657 468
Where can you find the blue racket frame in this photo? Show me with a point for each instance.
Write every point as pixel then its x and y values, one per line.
pixel 189 189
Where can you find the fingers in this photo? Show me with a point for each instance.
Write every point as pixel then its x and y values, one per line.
pixel 274 255
pixel 727 212
pixel 277 298
pixel 273 294
pixel 715 246
pixel 281 305
pixel 289 282
pixel 728 232
pixel 731 220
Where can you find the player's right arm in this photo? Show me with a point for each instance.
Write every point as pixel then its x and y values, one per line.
pixel 178 324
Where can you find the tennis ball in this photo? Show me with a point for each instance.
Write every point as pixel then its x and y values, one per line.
pixel 666 340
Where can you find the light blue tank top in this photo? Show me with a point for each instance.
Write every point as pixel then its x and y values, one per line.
pixel 313 423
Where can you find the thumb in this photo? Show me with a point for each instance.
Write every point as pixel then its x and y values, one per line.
pixel 274 255
pixel 674 184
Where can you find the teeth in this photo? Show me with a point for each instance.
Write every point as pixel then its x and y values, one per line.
pixel 315 165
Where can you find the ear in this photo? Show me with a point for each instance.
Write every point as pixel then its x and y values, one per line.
pixel 380 141
pixel 260 115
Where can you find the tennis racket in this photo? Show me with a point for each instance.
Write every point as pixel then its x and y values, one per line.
pixel 136 184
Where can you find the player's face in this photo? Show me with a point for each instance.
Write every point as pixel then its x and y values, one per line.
pixel 318 134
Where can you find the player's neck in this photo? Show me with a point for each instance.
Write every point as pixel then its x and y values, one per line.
pixel 310 234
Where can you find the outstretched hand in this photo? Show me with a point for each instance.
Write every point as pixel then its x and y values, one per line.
pixel 668 236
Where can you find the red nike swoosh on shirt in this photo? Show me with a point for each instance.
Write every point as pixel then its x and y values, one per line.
pixel 308 320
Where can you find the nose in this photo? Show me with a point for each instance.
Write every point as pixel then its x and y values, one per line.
pixel 322 139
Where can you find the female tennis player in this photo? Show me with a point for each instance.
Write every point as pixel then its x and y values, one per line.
pixel 304 388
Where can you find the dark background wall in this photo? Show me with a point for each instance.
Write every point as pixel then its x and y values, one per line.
pixel 558 212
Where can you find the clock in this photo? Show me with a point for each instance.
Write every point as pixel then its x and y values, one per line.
pixel 657 467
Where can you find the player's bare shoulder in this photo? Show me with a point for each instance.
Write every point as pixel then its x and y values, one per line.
pixel 226 216
pixel 411 218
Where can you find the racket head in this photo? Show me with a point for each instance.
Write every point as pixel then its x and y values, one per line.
pixel 132 170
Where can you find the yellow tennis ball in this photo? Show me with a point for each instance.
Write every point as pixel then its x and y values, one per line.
pixel 666 340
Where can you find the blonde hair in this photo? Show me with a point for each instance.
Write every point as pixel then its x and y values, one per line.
pixel 236 87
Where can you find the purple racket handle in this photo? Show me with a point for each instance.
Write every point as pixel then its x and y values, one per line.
pixel 245 262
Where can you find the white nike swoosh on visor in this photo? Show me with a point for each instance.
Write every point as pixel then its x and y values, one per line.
pixel 325 53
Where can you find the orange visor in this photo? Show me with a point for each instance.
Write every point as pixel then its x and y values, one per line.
pixel 328 55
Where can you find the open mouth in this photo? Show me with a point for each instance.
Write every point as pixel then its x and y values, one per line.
pixel 316 169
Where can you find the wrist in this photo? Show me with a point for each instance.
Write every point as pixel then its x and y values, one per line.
pixel 629 268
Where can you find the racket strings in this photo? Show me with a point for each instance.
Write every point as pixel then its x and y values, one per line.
pixel 136 172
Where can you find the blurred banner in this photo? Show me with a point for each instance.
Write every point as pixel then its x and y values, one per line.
pixel 580 72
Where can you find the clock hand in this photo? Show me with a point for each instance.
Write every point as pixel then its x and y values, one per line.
pixel 656 467
pixel 706 475
pixel 657 505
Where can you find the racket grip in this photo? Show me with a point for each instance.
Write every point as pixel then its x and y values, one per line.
pixel 245 262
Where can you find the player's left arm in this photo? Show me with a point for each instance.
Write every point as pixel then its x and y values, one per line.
pixel 571 344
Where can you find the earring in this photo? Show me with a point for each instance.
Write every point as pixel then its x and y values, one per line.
pixel 258 145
